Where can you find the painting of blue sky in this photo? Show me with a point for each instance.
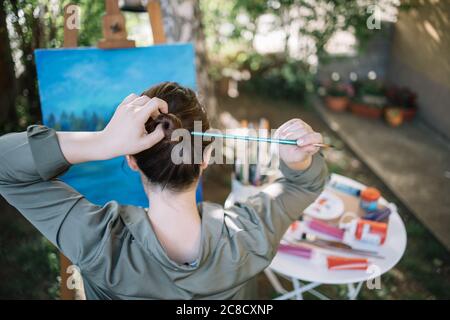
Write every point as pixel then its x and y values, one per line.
pixel 79 90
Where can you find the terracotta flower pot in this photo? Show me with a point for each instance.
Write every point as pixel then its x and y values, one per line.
pixel 393 116
pixel 336 103
pixel 365 110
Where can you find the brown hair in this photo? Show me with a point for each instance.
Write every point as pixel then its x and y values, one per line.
pixel 156 162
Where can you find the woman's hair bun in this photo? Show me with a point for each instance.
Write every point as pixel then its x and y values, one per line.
pixel 184 110
pixel 169 122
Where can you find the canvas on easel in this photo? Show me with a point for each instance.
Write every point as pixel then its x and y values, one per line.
pixel 80 89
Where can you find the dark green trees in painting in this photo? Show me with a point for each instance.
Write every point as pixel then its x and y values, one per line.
pixel 86 121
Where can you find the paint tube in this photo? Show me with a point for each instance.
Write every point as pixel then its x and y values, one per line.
pixel 346 188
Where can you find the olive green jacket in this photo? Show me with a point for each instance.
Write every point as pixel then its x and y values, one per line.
pixel 115 246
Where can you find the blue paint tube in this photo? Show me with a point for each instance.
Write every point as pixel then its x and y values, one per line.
pixel 346 189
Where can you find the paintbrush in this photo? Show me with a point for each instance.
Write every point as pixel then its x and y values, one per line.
pixel 338 246
pixel 259 139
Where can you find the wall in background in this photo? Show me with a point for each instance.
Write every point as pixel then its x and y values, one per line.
pixel 373 57
pixel 420 59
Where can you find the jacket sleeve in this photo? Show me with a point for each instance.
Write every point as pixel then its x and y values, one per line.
pixel 261 221
pixel 29 166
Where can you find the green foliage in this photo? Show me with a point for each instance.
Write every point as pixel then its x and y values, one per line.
pixel 237 20
pixel 370 92
pixel 369 87
pixel 336 89
pixel 30 266
pixel 40 23
pixel 277 76
pixel 91 21
pixel 231 27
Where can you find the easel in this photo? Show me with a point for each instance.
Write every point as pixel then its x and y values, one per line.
pixel 115 36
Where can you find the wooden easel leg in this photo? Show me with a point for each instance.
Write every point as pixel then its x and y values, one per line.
pixel 65 292
pixel 70 40
pixel 71 21
pixel 156 21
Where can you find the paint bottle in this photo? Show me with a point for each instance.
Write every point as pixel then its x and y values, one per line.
pixel 369 199
pixel 370 231
pixel 378 214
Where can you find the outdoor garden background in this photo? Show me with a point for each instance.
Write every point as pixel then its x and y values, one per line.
pixel 372 76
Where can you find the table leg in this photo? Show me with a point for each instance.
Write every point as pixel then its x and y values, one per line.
pixel 319 295
pixel 352 291
pixel 274 281
pixel 294 293
pixel 297 288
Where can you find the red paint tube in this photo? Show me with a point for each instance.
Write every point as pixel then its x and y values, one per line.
pixel 344 263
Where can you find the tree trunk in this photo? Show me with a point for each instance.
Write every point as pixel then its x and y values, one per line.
pixel 183 23
pixel 286 21
pixel 8 115
pixel 29 36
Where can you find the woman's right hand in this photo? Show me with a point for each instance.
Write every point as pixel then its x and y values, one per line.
pixel 298 157
pixel 125 133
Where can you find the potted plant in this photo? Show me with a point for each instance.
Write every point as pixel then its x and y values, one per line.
pixel 337 96
pixel 369 99
pixel 403 99
pixel 393 116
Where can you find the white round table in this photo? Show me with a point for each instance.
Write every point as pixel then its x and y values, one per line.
pixel 299 269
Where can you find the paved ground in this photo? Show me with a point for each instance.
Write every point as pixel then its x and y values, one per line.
pixel 411 160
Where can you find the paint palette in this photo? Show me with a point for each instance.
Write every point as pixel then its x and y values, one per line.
pixel 327 206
